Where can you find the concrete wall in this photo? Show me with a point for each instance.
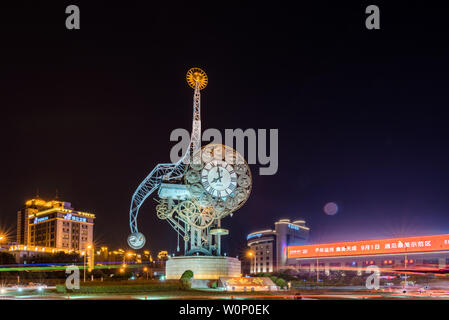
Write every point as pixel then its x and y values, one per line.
pixel 203 267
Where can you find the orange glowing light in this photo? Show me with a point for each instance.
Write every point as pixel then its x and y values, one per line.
pixel 372 247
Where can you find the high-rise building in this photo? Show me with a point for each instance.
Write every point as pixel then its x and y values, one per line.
pixel 54 224
pixel 268 247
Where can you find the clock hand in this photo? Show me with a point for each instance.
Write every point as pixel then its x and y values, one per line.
pixel 219 175
pixel 214 180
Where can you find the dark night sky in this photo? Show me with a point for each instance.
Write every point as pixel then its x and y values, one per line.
pixel 362 115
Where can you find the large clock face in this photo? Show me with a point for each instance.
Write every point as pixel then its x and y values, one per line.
pixel 221 183
pixel 219 178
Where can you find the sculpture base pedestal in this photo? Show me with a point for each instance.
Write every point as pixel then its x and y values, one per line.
pixel 203 267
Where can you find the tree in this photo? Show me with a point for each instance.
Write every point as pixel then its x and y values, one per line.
pixel 187 275
pixel 185 279
pixel 60 257
pixel 281 283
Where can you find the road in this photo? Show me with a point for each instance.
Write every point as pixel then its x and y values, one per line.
pixel 317 294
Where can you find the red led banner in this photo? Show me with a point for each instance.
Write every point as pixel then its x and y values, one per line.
pixel 370 247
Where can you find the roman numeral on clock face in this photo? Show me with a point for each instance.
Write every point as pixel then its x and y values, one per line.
pixel 206 184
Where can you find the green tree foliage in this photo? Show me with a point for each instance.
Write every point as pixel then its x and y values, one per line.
pixel 187 275
pixel 281 283
pixel 185 279
pixel 60 257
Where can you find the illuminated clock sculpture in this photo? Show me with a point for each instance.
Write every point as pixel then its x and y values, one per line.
pixel 206 185
pixel 221 181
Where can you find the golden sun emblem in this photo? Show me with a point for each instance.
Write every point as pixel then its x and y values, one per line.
pixel 196 75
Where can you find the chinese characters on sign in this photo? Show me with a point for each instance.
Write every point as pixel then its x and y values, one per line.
pixel 368 247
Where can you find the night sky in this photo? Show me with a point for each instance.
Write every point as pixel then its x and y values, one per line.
pixel 362 115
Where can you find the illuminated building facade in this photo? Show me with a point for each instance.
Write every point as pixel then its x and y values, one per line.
pixel 268 248
pixel 162 255
pixel 402 253
pixel 54 225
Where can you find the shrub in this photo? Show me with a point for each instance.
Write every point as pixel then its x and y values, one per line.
pixel 185 284
pixel 281 282
pixel 187 275
pixel 266 274
pixel 124 288
pixel 61 288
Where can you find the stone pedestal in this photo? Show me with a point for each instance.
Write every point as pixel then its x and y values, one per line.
pixel 203 267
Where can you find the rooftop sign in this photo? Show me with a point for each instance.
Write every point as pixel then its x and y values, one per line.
pixel 74 218
pixel 370 247
pixel 37 220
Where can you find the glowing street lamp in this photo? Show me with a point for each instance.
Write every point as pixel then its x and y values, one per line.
pixel 145 269
pixel 2 237
pixel 250 254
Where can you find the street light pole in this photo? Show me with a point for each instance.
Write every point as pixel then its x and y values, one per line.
pixel 405 267
pixel 85 254
pixel 84 266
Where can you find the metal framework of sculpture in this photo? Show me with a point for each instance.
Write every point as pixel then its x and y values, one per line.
pixel 195 193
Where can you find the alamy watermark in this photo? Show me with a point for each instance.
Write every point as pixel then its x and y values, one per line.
pixel 262 145
pixel 73 278
pixel 373 280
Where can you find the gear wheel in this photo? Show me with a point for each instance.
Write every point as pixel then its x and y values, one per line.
pixel 193 177
pixel 196 190
pixel 162 211
pixel 203 218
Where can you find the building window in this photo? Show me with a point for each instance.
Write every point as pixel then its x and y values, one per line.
pixel 408 261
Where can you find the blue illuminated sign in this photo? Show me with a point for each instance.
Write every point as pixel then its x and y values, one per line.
pixel 256 235
pixel 69 216
pixel 291 226
pixel 37 220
